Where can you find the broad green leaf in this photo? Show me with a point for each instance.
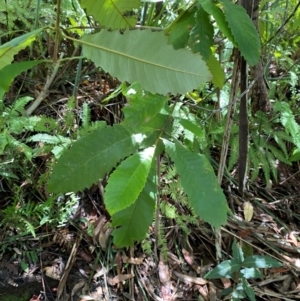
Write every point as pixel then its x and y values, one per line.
pixel 180 31
pixel 248 290
pixel 143 112
pixel 128 180
pixel 133 222
pixel 201 38
pixel 216 12
pixel 261 262
pixel 9 72
pixel 200 184
pixel 11 48
pixel 243 30
pixel 217 71
pixel 145 56
pixel 91 157
pixel 223 270
pixel 192 127
pixel 112 14
pixel 250 273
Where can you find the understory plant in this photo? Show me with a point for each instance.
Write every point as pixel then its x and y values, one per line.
pixel 240 269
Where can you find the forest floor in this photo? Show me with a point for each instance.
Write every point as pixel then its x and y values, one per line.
pixel 70 263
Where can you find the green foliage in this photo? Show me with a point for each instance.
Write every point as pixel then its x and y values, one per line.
pixel 112 14
pixel 240 27
pixel 134 221
pixel 91 158
pixel 240 269
pixel 11 48
pixel 200 184
pixel 155 65
pixel 128 180
pixel 130 191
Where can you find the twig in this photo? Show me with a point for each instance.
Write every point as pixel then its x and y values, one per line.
pixel 44 93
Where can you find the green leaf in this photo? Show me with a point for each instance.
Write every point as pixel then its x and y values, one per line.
pixel 248 290
pixel 133 222
pixel 11 48
pixel 217 71
pixel 192 127
pixel 128 180
pixel 201 38
pixel 225 269
pixel 145 56
pixel 251 273
pixel 243 31
pixel 112 14
pixel 237 252
pixel 180 31
pixel 261 262
pixel 91 157
pixel 9 72
pixel 295 156
pixel 200 184
pixel 216 12
pixel 3 141
pixel 143 112
pixel 49 139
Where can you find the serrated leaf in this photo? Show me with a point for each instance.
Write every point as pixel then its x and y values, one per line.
pixel 128 180
pixel 200 184
pixel 112 13
pixel 223 270
pixel 145 56
pixel 261 262
pixel 11 48
pixel 180 31
pixel 91 157
pixel 133 222
pixel 243 31
pixel 216 12
pixel 143 112
pixel 201 38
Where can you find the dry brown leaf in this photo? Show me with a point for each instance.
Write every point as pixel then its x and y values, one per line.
pixel 131 260
pixel 56 270
pixel 190 279
pixel 248 211
pixel 78 286
pixel 163 272
pixel 293 239
pixel 121 278
pixel 226 282
pixel 52 272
